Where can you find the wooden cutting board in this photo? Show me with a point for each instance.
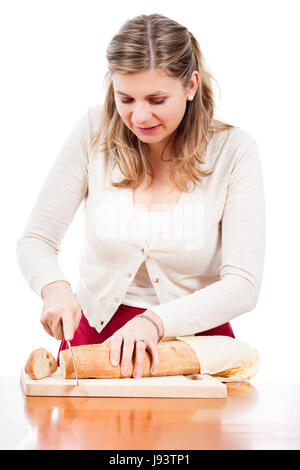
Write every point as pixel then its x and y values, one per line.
pixel 175 386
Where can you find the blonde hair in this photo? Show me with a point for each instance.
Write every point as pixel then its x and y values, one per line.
pixel 148 42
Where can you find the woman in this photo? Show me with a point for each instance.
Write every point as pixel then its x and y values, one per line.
pixel 174 206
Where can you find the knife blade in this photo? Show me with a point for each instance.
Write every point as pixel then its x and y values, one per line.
pixel 72 355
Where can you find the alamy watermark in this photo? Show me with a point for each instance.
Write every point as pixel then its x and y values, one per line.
pixel 121 222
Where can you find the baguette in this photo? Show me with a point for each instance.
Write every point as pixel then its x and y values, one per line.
pixel 40 364
pixel 93 361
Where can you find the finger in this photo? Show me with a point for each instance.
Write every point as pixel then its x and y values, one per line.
pixel 140 347
pixel 128 347
pixel 56 329
pixel 68 324
pixel 48 329
pixel 77 319
pixel 115 349
pixel 155 357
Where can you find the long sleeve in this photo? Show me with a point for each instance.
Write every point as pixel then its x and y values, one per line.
pixel 243 244
pixel 61 194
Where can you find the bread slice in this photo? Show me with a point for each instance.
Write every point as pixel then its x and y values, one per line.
pixel 40 364
pixel 92 361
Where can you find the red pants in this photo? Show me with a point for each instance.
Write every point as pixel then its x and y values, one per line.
pixel 86 334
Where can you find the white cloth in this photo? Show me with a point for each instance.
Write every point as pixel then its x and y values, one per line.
pixel 141 292
pixel 205 262
pixel 226 358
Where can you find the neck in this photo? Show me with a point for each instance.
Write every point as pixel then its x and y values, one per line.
pixel 159 157
pixel 155 151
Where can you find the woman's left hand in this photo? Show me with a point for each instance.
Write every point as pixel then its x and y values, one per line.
pixel 139 334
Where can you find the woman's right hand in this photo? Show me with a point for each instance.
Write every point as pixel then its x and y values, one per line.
pixel 60 306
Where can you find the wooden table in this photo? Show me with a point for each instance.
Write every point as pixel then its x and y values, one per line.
pixel 260 416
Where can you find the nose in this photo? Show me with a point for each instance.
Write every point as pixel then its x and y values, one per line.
pixel 141 114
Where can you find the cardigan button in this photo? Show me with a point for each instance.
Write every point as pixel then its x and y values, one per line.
pixel 156 279
pixel 142 251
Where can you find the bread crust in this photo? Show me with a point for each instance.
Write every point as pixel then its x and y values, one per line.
pixel 49 363
pixel 92 361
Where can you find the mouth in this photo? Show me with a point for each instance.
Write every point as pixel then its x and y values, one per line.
pixel 149 129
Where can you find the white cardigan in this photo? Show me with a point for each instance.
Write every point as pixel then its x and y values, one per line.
pixel 204 259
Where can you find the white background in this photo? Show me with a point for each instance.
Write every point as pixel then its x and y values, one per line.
pixel 52 68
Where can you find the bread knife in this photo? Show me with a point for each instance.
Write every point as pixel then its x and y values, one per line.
pixel 72 355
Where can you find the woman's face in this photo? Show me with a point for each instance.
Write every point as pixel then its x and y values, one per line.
pixel 152 99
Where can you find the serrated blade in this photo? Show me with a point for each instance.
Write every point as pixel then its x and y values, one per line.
pixel 72 355
pixel 73 360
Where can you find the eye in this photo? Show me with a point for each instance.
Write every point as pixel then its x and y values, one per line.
pixel 153 101
pixel 126 101
pixel 159 102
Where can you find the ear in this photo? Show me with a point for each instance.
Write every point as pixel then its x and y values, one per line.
pixel 194 83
